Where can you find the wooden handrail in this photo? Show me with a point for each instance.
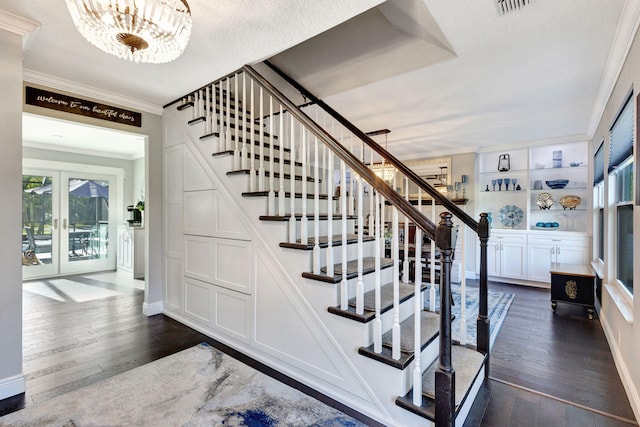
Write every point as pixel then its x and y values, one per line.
pixel 448 204
pixel 349 158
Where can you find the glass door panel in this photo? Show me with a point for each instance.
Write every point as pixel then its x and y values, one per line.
pixel 67 221
pixel 40 223
pixel 86 223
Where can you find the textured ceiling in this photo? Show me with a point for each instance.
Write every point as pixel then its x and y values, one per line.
pixel 533 75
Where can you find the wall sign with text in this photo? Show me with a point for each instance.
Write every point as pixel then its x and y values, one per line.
pixel 69 104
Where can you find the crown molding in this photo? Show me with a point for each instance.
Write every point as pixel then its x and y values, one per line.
pixel 627 28
pixel 90 91
pixel 17 24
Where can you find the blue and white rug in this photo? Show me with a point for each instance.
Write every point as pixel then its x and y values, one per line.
pixel 199 386
pixel 498 306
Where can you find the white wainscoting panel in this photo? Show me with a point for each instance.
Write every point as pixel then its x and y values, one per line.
pixel 227 224
pixel 172 174
pixel 173 230
pixel 200 212
pixel 223 262
pixel 199 258
pixel 233 313
pixel 194 176
pixel 234 265
pixel 282 328
pixel 171 135
pixel 198 300
pixel 173 283
pixel 206 213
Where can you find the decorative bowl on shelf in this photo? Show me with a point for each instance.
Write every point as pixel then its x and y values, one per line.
pixel 547 225
pixel 557 183
pixel 544 201
pixel 510 216
pixel 575 164
pixel 570 201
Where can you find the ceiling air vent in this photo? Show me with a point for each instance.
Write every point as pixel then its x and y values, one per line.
pixel 506 6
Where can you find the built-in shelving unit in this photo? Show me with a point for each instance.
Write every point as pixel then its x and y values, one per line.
pixel 532 211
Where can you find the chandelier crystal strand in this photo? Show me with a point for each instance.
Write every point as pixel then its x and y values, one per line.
pixel 153 31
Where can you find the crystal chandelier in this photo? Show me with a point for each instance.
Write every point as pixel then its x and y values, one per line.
pixel 154 31
pixel 385 171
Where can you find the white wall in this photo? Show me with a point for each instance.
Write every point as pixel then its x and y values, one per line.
pixel 11 378
pixel 623 334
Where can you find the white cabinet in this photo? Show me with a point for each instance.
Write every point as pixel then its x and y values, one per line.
pixel 130 251
pixel 543 251
pixel 506 255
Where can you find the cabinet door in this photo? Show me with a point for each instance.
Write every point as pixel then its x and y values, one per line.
pixel 493 258
pixel 513 257
pixel 541 255
pixel 572 253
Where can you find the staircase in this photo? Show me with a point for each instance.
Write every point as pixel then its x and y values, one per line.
pixel 317 213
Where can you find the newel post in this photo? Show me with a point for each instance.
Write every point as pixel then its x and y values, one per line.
pixel 445 375
pixel 483 311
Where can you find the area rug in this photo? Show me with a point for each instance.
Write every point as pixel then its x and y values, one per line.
pixel 498 306
pixel 199 386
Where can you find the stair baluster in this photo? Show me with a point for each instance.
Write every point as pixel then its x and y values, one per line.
pixel 432 264
pixel 370 217
pixel 377 322
pixel 271 202
pixel 292 198
pixel 236 150
pixel 252 169
pixel 207 109
pixel 330 258
pixel 463 289
pixel 344 285
pixel 360 282
pixel 352 200
pixel 281 193
pixel 261 170
pixel 316 209
pixel 227 135
pixel 304 221
pixel 244 155
pixel 395 331
pixel 405 261
pixel 417 322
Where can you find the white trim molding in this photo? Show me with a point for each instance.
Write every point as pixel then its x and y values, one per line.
pixel 59 83
pixel 17 24
pixel 152 308
pixel 627 28
pixel 12 386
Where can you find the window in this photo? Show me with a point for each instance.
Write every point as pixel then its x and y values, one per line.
pixel 598 198
pixel 621 170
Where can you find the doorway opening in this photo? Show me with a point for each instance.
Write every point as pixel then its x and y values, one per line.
pixel 77 183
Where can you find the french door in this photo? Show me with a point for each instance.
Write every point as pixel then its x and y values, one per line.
pixel 67 221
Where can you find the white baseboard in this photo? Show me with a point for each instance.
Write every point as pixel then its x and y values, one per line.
pixel 625 376
pixel 150 309
pixel 11 386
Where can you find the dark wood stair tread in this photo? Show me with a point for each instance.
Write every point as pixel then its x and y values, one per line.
pixel 386 302
pixel 255 138
pixel 466 364
pixel 352 270
pixel 275 175
pixel 287 194
pixel 336 217
pixel 323 241
pixel 429 331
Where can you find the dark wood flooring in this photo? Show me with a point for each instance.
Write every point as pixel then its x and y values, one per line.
pixel 548 369
pixel 551 369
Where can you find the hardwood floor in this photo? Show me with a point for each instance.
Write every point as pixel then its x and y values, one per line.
pixel 564 358
pixel 78 335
